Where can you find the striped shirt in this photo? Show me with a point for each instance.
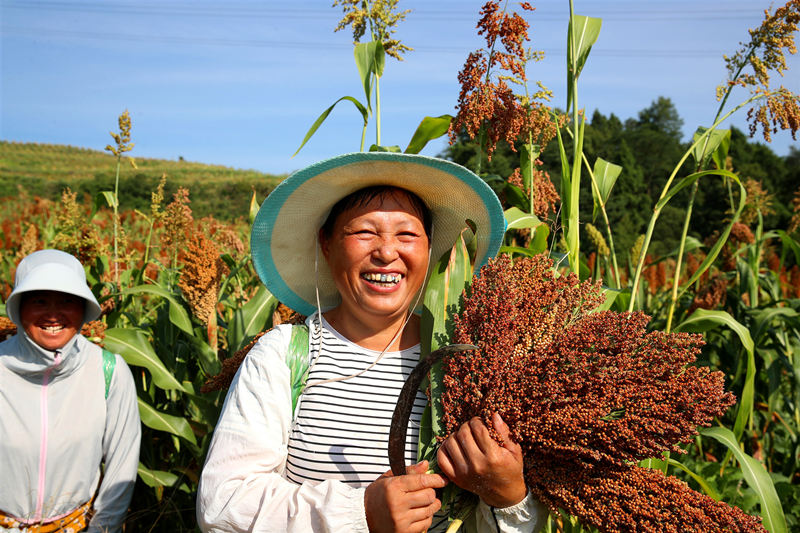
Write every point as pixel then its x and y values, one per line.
pixel 341 430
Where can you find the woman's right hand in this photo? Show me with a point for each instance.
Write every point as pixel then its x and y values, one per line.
pixel 403 503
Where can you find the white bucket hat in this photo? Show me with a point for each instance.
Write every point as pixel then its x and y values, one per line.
pixel 284 235
pixel 51 270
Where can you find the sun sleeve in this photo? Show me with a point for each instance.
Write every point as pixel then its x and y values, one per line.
pixel 528 516
pixel 242 487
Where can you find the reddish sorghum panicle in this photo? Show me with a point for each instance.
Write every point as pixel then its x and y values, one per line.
pixel 203 269
pixel 711 295
pixel 223 380
pixel 634 499
pixel 764 54
pixel 587 394
pixel 486 101
pixel 544 194
pixel 7 328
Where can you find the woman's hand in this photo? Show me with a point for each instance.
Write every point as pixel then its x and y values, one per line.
pixel 403 503
pixel 471 459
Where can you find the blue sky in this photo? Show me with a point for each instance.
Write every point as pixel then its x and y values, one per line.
pixel 238 83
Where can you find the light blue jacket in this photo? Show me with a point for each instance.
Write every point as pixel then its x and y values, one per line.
pixel 61 441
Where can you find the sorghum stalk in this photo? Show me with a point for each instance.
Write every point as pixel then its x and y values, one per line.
pixel 774 34
pixel 123 144
pixel 573 216
pixel 657 209
pixel 679 260
pixel 618 283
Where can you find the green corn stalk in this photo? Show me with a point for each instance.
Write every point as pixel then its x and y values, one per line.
pixel 669 191
pixel 582 33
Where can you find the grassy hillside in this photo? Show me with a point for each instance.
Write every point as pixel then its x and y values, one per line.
pixel 45 170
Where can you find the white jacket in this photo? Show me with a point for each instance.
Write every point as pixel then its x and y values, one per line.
pixel 242 487
pixel 57 429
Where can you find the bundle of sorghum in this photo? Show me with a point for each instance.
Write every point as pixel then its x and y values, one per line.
pixel 587 395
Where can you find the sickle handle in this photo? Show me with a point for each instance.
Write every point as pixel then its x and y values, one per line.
pixel 405 402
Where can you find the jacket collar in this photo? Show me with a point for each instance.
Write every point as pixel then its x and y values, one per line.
pixel 24 357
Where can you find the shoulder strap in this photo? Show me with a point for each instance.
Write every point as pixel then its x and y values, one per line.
pixel 109 362
pixel 297 361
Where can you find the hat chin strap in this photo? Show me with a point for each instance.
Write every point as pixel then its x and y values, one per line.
pixel 318 324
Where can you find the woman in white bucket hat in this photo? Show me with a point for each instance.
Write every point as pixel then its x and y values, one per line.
pixel 349 241
pixel 69 428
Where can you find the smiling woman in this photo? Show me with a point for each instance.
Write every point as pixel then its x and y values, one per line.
pixel 70 423
pixel 51 318
pixel 378 252
pixel 301 444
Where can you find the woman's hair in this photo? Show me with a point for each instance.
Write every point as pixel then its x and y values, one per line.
pixel 364 196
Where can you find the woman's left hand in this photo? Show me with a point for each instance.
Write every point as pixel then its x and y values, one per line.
pixel 471 459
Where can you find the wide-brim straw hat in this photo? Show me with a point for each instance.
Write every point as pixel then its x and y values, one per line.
pixel 51 270
pixel 284 235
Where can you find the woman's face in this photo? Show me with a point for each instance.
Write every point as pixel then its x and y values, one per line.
pixel 378 255
pixel 51 318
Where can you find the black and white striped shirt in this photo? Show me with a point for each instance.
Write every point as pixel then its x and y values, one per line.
pixel 341 430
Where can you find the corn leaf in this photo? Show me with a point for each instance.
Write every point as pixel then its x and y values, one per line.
pixel 706 488
pixel 789 243
pixel 757 479
pixel 516 250
pixel 207 356
pixel 203 408
pixel 691 178
pixel 763 318
pixel 155 419
pixel 539 241
pixel 370 59
pixel 723 238
pixel 383 148
pixel 604 175
pixel 716 146
pixel 177 313
pixel 610 297
pixel 133 346
pixel 430 128
pixel 317 123
pixel 528 155
pixel 110 198
pixel 517 197
pixel 582 33
pixel 427 441
pixel 253 208
pixel 702 321
pixel 160 479
pixel 518 219
pixel 251 318
pixel 448 279
pixel 100 199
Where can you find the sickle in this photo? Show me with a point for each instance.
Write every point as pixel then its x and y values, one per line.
pixel 402 411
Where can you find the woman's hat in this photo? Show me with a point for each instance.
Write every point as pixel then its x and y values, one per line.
pixel 51 270
pixel 284 236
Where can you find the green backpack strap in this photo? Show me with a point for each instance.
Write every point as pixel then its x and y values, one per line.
pixel 109 362
pixel 297 361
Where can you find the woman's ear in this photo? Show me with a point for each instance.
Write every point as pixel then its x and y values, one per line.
pixel 323 243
